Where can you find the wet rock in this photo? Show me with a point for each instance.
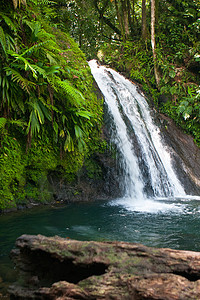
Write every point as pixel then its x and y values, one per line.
pixel 98 179
pixel 185 154
pixel 57 268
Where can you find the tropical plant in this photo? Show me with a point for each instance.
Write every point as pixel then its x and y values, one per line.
pixel 189 107
pixel 44 92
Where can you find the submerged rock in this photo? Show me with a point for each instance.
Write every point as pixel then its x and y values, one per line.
pixel 57 268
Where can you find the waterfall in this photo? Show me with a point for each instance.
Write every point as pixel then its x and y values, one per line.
pixel 146 160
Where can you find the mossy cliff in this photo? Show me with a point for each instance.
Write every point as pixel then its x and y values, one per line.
pixel 50 114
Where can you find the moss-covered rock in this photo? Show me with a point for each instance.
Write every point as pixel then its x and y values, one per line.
pixel 52 268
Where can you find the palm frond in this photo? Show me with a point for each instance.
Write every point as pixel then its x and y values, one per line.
pixel 46 109
pixel 83 113
pixel 38 112
pixel 69 144
pixel 37 115
pixel 10 43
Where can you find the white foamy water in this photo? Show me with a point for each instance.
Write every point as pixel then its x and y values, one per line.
pixel 146 160
pixel 148 205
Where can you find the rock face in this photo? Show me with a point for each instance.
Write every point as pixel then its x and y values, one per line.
pixel 185 153
pixel 57 268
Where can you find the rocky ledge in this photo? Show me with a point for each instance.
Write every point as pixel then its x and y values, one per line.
pixel 58 268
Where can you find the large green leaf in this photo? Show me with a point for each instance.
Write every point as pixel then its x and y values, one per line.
pixel 69 144
pixel 78 132
pixel 84 113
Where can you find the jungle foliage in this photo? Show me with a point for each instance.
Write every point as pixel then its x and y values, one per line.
pixel 49 115
pixel 121 32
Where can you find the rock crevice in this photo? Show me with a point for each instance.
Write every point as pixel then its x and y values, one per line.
pixel 57 268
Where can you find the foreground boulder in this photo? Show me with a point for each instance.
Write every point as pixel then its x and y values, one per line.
pixel 57 268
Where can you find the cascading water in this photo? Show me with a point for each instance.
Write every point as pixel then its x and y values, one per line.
pixel 146 160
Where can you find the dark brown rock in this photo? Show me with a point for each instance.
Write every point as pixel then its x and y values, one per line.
pixel 185 154
pixel 57 268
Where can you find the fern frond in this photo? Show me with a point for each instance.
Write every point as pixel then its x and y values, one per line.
pixel 27 65
pixel 74 95
pixel 52 60
pixel 19 122
pixel 52 48
pixel 40 71
pixel 34 26
pixel 45 2
pixel 21 106
pixel 32 49
pixel 16 77
pixel 52 70
pixel 44 36
pixel 8 21
pixel 81 145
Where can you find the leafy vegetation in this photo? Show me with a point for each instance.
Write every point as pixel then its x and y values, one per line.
pixel 48 108
pixel 168 69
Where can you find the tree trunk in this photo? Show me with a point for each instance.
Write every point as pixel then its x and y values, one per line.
pixel 130 17
pixel 144 20
pixel 125 18
pixel 153 40
pixel 104 19
pixel 119 17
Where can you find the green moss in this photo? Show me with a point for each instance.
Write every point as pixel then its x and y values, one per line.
pixel 93 169
pixel 42 155
pixel 12 169
pixel 72 163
